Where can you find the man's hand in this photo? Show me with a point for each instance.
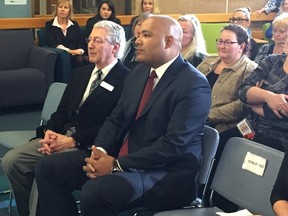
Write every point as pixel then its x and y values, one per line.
pixel 55 142
pixel 98 163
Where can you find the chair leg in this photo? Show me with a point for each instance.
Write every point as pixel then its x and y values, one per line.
pixel 10 203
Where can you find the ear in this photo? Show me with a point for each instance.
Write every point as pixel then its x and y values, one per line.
pixel 168 41
pixel 116 48
pixel 242 46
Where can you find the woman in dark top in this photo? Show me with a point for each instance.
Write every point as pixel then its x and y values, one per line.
pixel 280 32
pixel 193 42
pixel 64 33
pixel 242 17
pixel 279 195
pixel 106 11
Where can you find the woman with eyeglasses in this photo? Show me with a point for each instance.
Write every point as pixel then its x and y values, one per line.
pixel 280 32
pixel 193 43
pixel 241 16
pixel 225 73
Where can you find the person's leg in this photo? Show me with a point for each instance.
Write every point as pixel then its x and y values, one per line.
pixel 18 165
pixel 106 195
pixel 57 176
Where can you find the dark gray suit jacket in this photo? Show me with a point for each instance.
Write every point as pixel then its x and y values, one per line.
pixel 91 115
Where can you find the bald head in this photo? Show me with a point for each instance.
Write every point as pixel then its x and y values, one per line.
pixel 159 41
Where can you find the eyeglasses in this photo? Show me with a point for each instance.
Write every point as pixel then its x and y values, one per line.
pixel 96 40
pixel 225 43
pixel 238 19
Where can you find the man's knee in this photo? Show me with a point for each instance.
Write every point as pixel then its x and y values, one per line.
pixel 9 161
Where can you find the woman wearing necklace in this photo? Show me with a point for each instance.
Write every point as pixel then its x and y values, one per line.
pixel 280 35
pixel 64 33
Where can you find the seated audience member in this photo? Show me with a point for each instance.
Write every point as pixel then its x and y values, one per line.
pixel 106 11
pixel 157 164
pixel 146 6
pixel 241 16
pixel 265 91
pixel 193 43
pixel 280 32
pixel 130 58
pixel 279 195
pixel 82 111
pixel 271 5
pixel 64 33
pixel 283 9
pixel 225 73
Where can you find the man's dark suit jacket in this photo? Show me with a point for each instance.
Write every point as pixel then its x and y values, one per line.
pixel 91 115
pixel 165 141
pixel 73 39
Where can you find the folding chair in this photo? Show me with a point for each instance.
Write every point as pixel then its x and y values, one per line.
pixel 209 148
pixel 12 139
pixel 238 178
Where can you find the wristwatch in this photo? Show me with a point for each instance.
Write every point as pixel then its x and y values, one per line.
pixel 116 167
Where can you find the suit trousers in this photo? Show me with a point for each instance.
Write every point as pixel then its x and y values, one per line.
pixel 18 165
pixel 58 175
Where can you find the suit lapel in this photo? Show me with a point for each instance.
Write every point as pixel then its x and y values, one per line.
pixel 111 79
pixel 163 83
pixel 81 81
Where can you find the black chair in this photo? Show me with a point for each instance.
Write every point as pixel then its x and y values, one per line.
pixel 209 148
pixel 238 178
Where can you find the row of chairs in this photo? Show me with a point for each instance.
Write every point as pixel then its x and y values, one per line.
pixel 240 186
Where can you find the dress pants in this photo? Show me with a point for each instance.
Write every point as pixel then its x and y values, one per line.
pixel 58 175
pixel 18 165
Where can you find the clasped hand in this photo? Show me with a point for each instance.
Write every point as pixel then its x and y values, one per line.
pixel 98 163
pixel 55 142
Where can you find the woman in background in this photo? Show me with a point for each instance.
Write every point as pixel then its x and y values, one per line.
pixel 283 9
pixel 242 17
pixel 193 43
pixel 146 6
pixel 64 33
pixel 106 11
pixel 225 73
pixel 280 32
pixel 129 58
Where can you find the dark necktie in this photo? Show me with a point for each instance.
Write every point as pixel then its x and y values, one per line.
pixel 96 82
pixel 145 97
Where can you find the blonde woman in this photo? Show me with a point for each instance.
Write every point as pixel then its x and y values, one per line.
pixel 146 6
pixel 280 32
pixel 193 43
pixel 64 33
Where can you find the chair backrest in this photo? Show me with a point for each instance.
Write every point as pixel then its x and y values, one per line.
pixel 209 148
pixel 52 100
pixel 16 46
pixel 242 186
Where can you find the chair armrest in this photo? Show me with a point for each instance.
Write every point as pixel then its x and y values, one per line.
pixel 44 60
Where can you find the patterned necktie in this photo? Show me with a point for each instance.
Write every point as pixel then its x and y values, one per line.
pixel 96 82
pixel 145 97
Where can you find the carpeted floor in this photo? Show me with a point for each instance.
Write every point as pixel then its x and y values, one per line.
pixel 20 118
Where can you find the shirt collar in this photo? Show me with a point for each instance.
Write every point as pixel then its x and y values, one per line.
pixel 56 23
pixel 106 69
pixel 161 70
